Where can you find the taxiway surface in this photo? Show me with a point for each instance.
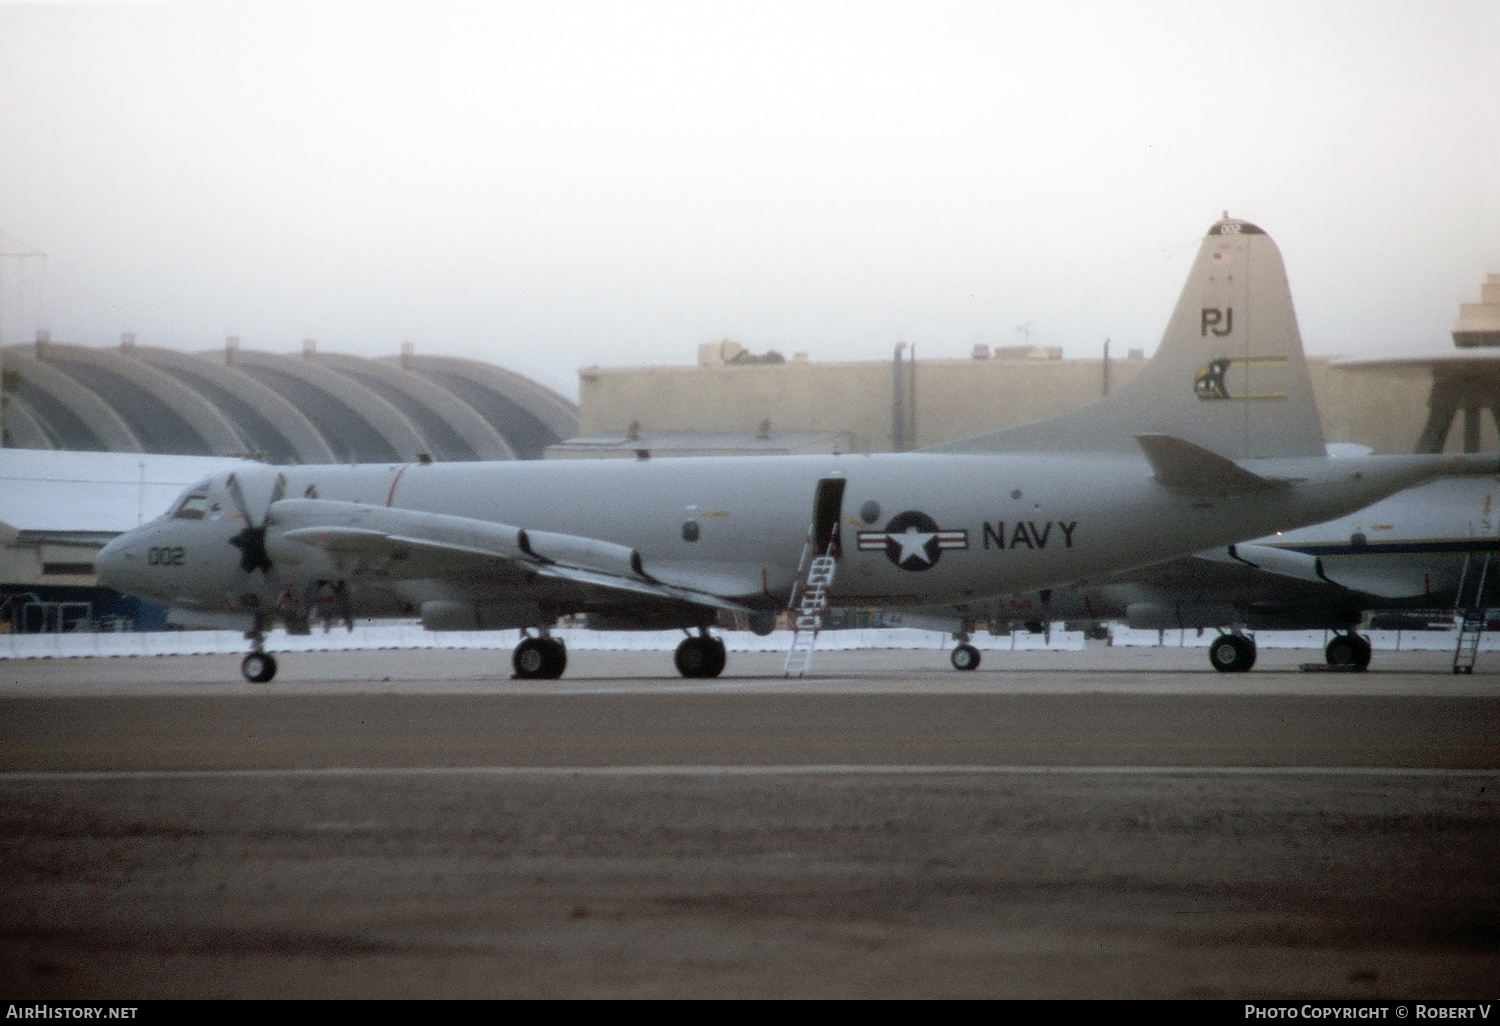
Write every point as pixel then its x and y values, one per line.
pixel 1111 822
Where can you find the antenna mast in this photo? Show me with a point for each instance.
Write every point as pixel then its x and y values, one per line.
pixel 14 249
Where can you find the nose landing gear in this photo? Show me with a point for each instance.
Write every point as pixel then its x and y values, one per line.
pixel 259 666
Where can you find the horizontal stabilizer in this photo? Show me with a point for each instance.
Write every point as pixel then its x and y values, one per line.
pixel 1188 467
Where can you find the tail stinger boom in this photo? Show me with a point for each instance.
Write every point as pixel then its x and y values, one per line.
pixel 1229 375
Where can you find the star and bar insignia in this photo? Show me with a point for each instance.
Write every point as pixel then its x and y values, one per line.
pixel 913 540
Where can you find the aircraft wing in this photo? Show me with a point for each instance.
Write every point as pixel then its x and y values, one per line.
pixel 1385 576
pixel 402 544
pixel 1380 575
pixel 1270 559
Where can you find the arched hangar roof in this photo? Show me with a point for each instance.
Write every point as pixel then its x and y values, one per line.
pixel 530 415
pixel 267 423
pixel 305 408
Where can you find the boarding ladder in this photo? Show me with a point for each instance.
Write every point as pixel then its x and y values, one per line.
pixel 808 605
pixel 1471 609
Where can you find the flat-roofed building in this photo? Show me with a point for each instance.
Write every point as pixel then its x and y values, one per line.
pixel 879 408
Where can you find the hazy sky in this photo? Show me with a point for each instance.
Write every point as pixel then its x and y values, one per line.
pixel 552 185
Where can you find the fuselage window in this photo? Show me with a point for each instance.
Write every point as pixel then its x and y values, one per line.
pixel 194 507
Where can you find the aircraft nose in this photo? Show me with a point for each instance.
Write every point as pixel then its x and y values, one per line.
pixel 116 561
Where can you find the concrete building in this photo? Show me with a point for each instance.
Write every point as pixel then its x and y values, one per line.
pixel 885 405
pixel 854 400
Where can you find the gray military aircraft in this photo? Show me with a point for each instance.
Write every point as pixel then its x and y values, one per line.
pixel 1216 440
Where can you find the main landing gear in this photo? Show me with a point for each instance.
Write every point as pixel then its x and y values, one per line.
pixel 259 666
pixel 1232 653
pixel 701 656
pixel 1348 650
pixel 543 658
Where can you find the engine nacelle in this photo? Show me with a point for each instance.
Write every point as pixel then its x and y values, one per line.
pixel 686 618
pixel 1171 616
pixel 483 616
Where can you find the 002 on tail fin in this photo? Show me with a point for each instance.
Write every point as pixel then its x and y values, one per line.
pixel 1229 375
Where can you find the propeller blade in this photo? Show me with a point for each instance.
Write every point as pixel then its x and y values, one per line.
pixel 237 496
pixel 278 492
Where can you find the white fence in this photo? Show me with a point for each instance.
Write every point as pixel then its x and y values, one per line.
pixel 1381 641
pixel 410 635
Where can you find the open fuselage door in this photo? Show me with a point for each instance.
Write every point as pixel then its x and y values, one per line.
pixel 828 512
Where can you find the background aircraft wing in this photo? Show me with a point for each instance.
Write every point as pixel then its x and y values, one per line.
pixel 1385 576
pixel 1381 575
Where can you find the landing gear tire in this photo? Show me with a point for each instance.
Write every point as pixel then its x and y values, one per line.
pixel 1363 658
pixel 700 657
pixel 964 657
pixel 539 659
pixel 1232 653
pixel 258 667
pixel 1348 650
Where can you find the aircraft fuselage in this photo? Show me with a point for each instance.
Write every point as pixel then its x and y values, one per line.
pixel 915 528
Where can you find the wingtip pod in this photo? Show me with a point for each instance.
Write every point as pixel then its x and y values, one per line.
pixel 1229 375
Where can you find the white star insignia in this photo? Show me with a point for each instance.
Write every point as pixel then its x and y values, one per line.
pixel 913 543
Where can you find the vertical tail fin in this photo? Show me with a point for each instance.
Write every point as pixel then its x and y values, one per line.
pixel 1229 374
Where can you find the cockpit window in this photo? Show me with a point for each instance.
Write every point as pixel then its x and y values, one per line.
pixel 194 507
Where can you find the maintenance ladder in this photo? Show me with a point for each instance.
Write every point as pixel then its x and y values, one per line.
pixel 1472 609
pixel 809 604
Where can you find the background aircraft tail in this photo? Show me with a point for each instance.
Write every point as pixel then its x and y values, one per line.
pixel 1229 374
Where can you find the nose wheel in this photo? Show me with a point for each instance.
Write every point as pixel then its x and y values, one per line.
pixel 539 659
pixel 964 657
pixel 258 667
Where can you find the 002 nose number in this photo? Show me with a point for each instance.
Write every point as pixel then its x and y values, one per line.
pixel 166 556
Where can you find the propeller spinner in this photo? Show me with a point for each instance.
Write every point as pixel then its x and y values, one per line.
pixel 252 540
